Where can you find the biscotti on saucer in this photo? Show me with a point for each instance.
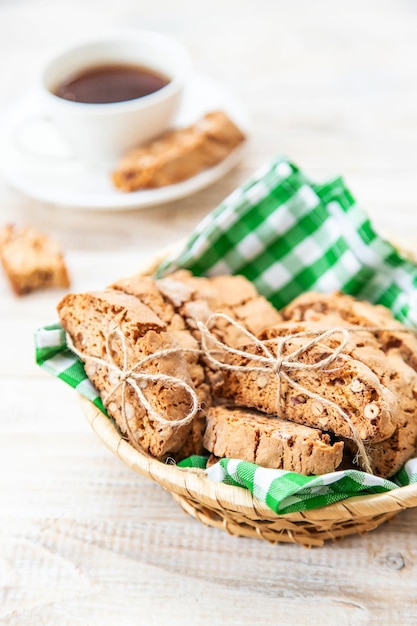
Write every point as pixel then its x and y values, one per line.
pixel 178 154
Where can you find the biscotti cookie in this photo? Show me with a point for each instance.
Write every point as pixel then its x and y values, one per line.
pixel 144 288
pixel 400 348
pixel 315 395
pixel 196 298
pixel 313 306
pixel 31 260
pixel 179 300
pixel 270 441
pixel 178 154
pixel 362 346
pixel 388 456
pixel 119 330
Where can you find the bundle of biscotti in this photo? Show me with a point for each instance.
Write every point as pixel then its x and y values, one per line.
pixel 305 406
pixel 117 330
pixel 367 393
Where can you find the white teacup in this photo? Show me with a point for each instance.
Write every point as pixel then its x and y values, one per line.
pixel 103 132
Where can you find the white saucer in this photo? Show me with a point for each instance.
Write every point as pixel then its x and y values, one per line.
pixel 34 159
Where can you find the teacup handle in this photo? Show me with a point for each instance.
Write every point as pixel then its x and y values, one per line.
pixel 31 127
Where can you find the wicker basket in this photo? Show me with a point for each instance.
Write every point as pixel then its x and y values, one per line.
pixel 235 509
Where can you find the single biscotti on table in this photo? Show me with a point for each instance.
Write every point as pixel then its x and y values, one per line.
pixel 31 259
pixel 178 154
pixel 97 322
pixel 270 441
pixel 346 384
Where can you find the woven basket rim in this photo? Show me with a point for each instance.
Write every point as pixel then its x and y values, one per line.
pixel 195 484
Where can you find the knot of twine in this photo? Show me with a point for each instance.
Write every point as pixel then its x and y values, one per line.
pixel 137 378
pixel 282 365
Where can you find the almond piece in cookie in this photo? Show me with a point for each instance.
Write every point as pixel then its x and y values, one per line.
pixel 270 441
pixel 31 260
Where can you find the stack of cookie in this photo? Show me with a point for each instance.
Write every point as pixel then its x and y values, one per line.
pixel 157 318
pixel 312 409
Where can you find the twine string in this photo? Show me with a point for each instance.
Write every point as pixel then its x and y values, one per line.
pixel 135 376
pixel 280 364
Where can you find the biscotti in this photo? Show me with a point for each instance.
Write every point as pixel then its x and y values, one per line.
pixel 31 259
pixel 387 457
pixel 119 330
pixel 394 373
pixel 180 300
pixel 197 298
pixel 270 441
pixel 313 307
pixel 178 154
pixel 310 395
pixel 145 289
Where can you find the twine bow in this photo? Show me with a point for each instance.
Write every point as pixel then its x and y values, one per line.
pixel 137 378
pixel 281 365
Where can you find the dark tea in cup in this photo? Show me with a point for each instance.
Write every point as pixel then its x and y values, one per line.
pixel 113 93
pixel 115 82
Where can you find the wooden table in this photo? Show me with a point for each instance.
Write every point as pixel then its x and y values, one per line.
pixel 85 541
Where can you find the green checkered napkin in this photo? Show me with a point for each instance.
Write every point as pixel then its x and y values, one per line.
pixel 288 492
pixel 54 356
pixel 287 235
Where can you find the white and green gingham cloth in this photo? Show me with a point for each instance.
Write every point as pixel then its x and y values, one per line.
pixel 287 235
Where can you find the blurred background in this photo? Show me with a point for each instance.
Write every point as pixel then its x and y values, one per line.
pixel 331 85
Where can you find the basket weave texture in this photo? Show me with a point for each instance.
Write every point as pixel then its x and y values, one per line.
pixel 235 509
